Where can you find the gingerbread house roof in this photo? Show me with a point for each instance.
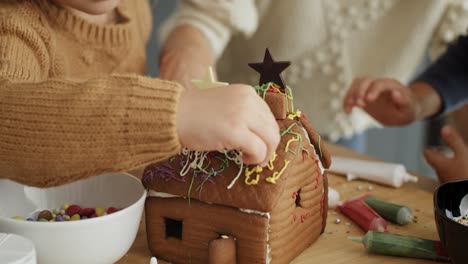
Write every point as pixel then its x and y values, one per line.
pixel 213 182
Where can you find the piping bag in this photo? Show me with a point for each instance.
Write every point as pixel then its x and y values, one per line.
pixel 391 174
pixel 402 246
pixel 395 213
pixel 363 215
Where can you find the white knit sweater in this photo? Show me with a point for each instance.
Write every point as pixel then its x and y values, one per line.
pixel 329 42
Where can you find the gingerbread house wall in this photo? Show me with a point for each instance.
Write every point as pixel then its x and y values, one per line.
pixel 293 227
pixel 202 223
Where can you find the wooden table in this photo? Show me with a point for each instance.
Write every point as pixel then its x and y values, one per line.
pixel 333 247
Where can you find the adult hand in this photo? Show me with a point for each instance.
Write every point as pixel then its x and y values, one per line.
pixel 186 56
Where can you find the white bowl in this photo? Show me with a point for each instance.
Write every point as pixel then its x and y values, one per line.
pixel 101 240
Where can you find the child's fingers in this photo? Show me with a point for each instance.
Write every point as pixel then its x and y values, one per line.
pixel 380 86
pixel 453 139
pixel 363 86
pixel 436 159
pixel 398 98
pixel 352 97
pixel 267 129
pixel 253 148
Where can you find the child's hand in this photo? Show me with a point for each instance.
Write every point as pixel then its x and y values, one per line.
pixel 229 117
pixel 387 100
pixel 450 168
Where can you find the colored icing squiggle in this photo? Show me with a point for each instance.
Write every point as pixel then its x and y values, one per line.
pixel 276 175
pixel 293 139
pixel 270 165
pixel 256 169
pixel 298 113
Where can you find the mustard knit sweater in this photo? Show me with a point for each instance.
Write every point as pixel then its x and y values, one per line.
pixel 71 104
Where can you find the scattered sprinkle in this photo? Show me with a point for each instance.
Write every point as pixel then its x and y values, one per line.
pixel 337 220
pixel 359 188
pixel 370 188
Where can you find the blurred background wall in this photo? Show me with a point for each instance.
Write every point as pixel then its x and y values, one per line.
pixel 401 145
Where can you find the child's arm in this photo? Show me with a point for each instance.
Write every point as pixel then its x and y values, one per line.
pixel 450 168
pixel 53 131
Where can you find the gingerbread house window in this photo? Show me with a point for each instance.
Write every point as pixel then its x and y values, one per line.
pixel 173 228
pixel 298 198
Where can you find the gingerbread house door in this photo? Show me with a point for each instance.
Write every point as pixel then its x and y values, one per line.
pixel 222 251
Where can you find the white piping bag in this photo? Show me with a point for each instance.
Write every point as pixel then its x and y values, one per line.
pixel 391 174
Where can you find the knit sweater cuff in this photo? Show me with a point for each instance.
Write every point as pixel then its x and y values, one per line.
pixel 217 21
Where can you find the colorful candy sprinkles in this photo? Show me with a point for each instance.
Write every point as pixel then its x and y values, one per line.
pixel 461 219
pixel 69 213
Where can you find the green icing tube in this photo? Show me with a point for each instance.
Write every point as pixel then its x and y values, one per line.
pixel 395 213
pixel 401 246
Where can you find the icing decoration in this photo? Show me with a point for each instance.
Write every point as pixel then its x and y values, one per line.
pixel 294 195
pixel 273 87
pixel 248 172
pixel 237 160
pixel 305 154
pixel 322 199
pixel 294 115
pixel 319 145
pixel 319 174
pixel 293 139
pixel 270 165
pixel 198 162
pixel 276 175
pixel 299 137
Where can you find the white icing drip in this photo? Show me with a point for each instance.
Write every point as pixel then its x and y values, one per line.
pixel 322 170
pixel 250 211
pixel 152 193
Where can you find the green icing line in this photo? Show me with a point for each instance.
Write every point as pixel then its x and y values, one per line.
pixel 190 189
pixel 262 90
pixel 320 145
pixel 287 131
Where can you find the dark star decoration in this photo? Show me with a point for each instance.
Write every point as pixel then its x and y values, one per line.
pixel 270 70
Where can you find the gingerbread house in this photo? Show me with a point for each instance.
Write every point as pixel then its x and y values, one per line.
pixel 211 208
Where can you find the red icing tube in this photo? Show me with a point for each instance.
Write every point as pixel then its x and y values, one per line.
pixel 363 215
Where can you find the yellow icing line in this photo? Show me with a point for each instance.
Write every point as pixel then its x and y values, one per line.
pixel 270 165
pixel 294 115
pixel 276 175
pixel 248 172
pixel 293 139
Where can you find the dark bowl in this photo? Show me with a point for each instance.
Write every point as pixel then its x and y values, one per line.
pixel 454 236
